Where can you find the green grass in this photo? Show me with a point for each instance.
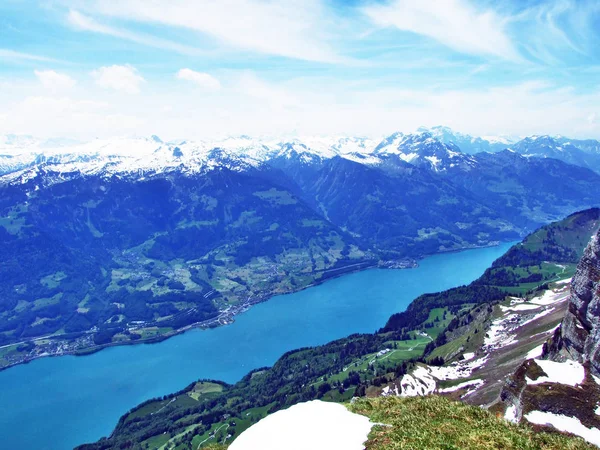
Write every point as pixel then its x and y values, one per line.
pixel 53 280
pixel 15 220
pixel 41 302
pixel 150 408
pixel 438 423
pixel 276 197
pixel 158 441
pixel 436 318
pixel 203 388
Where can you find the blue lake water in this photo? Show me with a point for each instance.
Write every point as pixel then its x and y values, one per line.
pixel 57 403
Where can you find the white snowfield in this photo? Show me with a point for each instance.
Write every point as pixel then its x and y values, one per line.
pixel 565 423
pixel 471 383
pixel 568 372
pixel 511 414
pixel 502 332
pixel 520 307
pixel 424 379
pixel 420 382
pixel 535 352
pixel 20 157
pixel 547 298
pixel 314 425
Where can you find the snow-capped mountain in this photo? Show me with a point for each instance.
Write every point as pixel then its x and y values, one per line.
pixel 129 156
pixel 141 155
pixel 438 149
pixel 469 144
pixel 585 145
pixel 581 153
pixel 424 150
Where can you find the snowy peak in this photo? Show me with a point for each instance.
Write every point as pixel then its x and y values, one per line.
pixel 539 143
pixel 122 157
pixel 141 155
pixel 424 150
pixel 439 149
pixel 469 144
pixel 549 146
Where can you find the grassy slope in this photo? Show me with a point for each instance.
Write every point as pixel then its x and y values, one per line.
pixel 550 252
pixel 450 425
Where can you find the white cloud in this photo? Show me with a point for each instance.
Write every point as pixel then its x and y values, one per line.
pixel 85 23
pixel 293 28
pixel 14 55
pixel 48 116
pixel 453 23
pixel 119 78
pixel 54 81
pixel 306 105
pixel 202 79
pixel 560 30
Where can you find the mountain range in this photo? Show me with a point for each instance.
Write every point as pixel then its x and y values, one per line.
pixel 129 154
pixel 106 236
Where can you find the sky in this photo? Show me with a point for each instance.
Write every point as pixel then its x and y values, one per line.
pixel 200 69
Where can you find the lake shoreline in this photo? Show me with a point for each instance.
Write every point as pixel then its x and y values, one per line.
pixel 52 392
pixel 227 317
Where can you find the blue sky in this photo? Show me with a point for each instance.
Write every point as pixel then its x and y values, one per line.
pixel 202 69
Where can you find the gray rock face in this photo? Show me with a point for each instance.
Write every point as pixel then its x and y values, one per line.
pixel 578 337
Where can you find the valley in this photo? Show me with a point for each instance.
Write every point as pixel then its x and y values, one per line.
pixel 464 343
pixel 127 248
pixel 137 240
pixel 48 393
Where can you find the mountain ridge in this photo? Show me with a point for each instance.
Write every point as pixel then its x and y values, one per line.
pixel 20 153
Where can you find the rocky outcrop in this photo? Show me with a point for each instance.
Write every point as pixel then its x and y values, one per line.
pixel 578 337
pixel 562 389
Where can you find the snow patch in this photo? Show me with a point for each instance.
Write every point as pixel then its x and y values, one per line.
pixel 511 414
pixel 408 157
pixel 565 423
pixel 434 160
pixel 316 425
pixel 420 382
pixel 538 316
pixel 468 356
pixel 423 380
pixel 471 383
pixel 456 370
pixel 535 352
pixel 499 334
pixel 519 307
pixel 570 372
pixel 549 297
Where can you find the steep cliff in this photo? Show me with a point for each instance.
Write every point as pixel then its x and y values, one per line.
pixel 562 389
pixel 578 337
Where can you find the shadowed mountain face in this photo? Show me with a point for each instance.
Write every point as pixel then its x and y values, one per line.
pixel 170 235
pixel 578 337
